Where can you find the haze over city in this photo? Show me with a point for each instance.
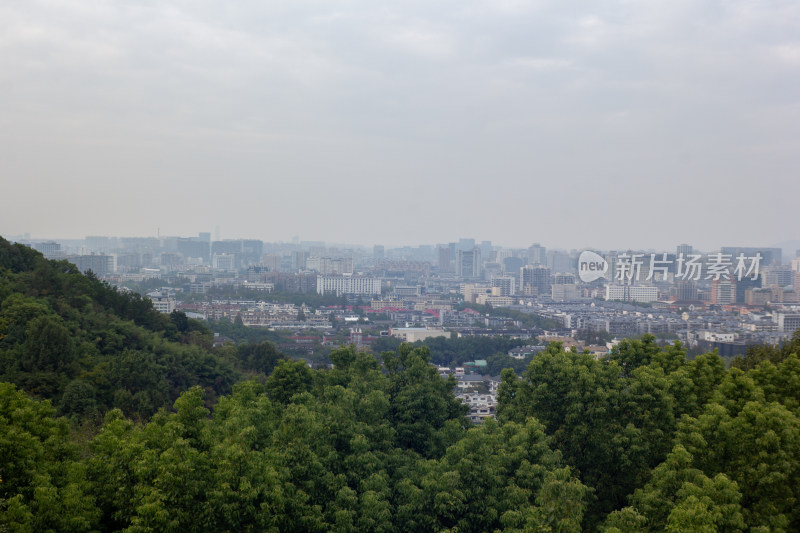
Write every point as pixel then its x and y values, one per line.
pixel 610 124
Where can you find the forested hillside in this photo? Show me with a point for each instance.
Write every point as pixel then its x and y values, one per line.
pixel 113 417
pixel 88 348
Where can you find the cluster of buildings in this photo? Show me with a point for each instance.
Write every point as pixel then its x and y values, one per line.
pixel 753 293
pixel 722 299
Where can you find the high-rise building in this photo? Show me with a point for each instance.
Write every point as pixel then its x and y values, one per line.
pixel 100 265
pixel 444 259
pixel 378 252
pixel 299 260
pixel 194 248
pixel 227 262
pixel 561 262
pixel 50 250
pixel 486 250
pixel 685 290
pixel 272 262
pixel 465 244
pixel 252 250
pixel 723 292
pixel 777 276
pixel 506 284
pixel 742 286
pixel 511 265
pixel 534 280
pixel 685 249
pixel 537 254
pixel 468 263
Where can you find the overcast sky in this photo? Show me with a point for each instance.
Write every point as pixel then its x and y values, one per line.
pixel 604 123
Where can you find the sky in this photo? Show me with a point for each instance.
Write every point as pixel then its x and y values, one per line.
pixel 603 124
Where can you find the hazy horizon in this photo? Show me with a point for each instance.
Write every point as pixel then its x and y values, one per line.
pixel 790 248
pixel 607 125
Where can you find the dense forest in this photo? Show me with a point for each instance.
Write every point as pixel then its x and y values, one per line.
pixel 114 417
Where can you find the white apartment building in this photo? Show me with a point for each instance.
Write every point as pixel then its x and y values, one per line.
pixel 340 285
pixel 632 293
pixel 163 301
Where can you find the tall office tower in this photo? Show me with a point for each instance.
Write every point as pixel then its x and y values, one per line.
pixel 299 260
pixel 537 254
pixel 465 244
pixel 723 292
pixel 534 280
pixel 685 290
pixel 468 263
pixel 204 236
pixel 486 250
pixel 742 286
pixel 444 261
pixel 272 262
pixel 561 262
pixel 378 252
pixel 511 266
pixel 502 254
pixel 195 249
pixel 685 249
pixel 252 250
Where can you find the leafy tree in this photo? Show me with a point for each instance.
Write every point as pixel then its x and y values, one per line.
pixel 42 485
pixel 613 419
pixel 260 357
pixel 421 401
pixel 289 378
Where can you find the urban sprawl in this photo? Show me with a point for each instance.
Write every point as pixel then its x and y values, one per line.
pixel 723 299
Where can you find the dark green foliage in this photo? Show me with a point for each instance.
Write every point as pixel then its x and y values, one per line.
pixel 499 361
pixel 613 420
pixel 17 257
pixel 421 401
pixel 289 378
pixel 42 477
pixel 242 334
pixel 260 357
pixel 87 347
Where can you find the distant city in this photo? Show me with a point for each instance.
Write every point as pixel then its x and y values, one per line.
pixel 726 298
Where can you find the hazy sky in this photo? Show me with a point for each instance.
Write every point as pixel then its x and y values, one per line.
pixel 605 124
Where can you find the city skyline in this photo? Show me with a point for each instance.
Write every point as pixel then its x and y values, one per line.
pixel 790 248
